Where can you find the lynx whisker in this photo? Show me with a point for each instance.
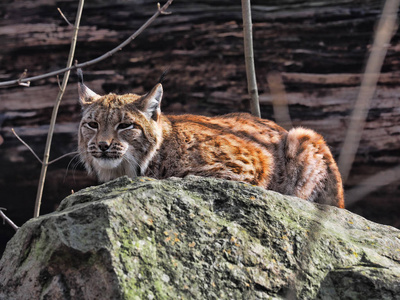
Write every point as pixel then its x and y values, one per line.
pixel 77 160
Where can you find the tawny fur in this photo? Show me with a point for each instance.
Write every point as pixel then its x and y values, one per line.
pixel 128 135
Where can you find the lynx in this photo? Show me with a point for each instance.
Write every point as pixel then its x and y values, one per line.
pixel 128 135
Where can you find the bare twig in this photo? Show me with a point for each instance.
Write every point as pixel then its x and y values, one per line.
pixel 249 58
pixel 7 220
pixel 58 82
pixel 383 35
pixel 26 145
pixel 371 184
pixel 62 15
pixel 27 84
pixel 162 10
pixel 61 157
pixel 23 75
pixel 55 111
pixel 279 100
pixel 37 157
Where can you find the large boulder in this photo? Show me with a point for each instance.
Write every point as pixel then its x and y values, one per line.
pixel 198 238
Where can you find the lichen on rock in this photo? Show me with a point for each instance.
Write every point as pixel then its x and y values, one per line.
pixel 198 238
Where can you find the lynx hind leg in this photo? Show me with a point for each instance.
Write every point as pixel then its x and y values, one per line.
pixel 312 173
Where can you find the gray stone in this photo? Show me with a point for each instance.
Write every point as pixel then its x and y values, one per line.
pixel 198 238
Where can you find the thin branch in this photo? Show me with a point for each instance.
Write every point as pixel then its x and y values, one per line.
pixel 26 145
pixel 383 35
pixel 8 220
pixel 33 152
pixel 58 82
pixel 62 15
pixel 249 58
pixel 61 157
pixel 371 184
pixel 23 75
pixel 46 156
pixel 162 10
pixel 279 100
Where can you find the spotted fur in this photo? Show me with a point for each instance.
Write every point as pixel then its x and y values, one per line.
pixel 128 135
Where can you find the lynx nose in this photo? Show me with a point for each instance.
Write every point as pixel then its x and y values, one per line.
pixel 103 146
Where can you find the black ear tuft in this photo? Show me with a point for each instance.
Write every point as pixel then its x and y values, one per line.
pixel 79 73
pixel 86 95
pixel 163 75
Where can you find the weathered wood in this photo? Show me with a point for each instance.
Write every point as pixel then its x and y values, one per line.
pixel 319 47
pixel 343 79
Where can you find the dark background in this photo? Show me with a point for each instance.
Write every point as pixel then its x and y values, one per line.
pixel 201 45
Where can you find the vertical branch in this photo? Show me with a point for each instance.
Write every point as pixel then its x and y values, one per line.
pixel 55 111
pixel 279 100
pixel 383 34
pixel 249 58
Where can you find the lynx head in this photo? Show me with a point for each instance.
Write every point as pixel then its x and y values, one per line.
pixel 119 134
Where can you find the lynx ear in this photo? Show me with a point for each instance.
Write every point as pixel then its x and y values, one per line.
pixel 152 101
pixel 86 95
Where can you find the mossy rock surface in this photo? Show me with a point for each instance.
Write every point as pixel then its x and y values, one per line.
pixel 198 238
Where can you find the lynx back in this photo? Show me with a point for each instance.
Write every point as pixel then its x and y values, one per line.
pixel 128 135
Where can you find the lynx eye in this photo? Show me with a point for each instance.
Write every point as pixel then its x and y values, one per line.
pixel 93 125
pixel 125 126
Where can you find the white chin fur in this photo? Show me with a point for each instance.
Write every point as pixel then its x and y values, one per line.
pixel 107 163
